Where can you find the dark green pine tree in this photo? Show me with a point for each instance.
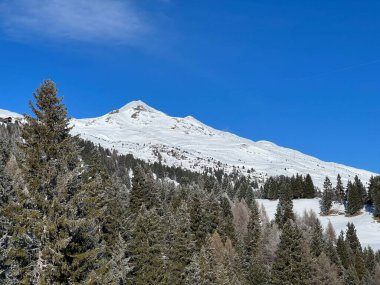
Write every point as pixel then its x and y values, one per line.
pixel 114 218
pixel 198 220
pixel 249 196
pixel 226 226
pixel 181 248
pixel 270 189
pixel 331 252
pixel 339 190
pixel 361 189
pixel 143 191
pixel 327 197
pixel 369 259
pixel 212 214
pixel 360 266
pixel 58 223
pixel 374 189
pixel 344 251
pixel 6 194
pixel 352 238
pixel 259 273
pixel 252 239
pixel 243 188
pixel 309 187
pixel 354 199
pixel 292 265
pixel 369 193
pixel 284 211
pixel 146 250
pixel 317 243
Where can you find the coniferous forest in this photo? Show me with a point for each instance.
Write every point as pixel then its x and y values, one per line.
pixel 72 212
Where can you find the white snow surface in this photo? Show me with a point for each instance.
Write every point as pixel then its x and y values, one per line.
pixel 7 114
pixel 367 229
pixel 151 135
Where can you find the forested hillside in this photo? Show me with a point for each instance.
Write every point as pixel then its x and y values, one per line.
pixel 72 212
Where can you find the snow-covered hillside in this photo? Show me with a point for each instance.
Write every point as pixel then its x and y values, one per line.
pixel 8 114
pixel 367 228
pixel 152 135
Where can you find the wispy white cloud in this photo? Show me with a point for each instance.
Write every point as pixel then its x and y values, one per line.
pixel 75 20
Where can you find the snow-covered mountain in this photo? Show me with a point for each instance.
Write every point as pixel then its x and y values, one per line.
pixel 153 136
pixel 8 114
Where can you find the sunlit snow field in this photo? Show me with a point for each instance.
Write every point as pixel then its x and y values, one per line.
pixel 367 228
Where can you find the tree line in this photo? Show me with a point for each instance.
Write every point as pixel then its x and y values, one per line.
pixel 74 213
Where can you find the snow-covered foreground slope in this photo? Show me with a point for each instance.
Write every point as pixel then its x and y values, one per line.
pixel 367 228
pixel 152 135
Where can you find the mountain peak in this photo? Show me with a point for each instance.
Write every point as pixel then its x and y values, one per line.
pixel 137 105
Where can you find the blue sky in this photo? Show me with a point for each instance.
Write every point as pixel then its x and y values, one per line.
pixel 303 74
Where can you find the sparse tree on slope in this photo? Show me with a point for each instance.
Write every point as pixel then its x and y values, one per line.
pixel 339 190
pixel 309 191
pixel 374 189
pixel 354 199
pixel 327 197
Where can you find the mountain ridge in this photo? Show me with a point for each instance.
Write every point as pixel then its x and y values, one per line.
pixel 151 135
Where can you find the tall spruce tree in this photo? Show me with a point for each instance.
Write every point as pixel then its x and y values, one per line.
pixel 252 239
pixel 374 189
pixel 284 211
pixel 309 191
pixel 143 191
pixel 58 223
pixel 358 184
pixel 226 227
pixel 327 197
pixel 146 250
pixel 259 273
pixel 344 251
pixel 354 199
pixel 6 192
pixel 352 238
pixel 339 190
pixel 182 246
pixel 317 244
pixel 292 265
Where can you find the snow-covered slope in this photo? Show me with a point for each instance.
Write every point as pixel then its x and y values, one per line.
pixel 152 135
pixel 367 228
pixel 8 114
